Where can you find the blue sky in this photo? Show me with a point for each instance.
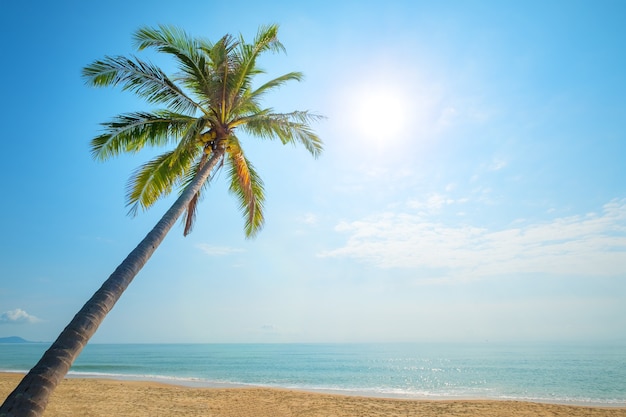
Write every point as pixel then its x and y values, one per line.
pixel 472 188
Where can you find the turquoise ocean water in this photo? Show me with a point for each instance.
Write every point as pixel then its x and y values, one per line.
pixel 569 374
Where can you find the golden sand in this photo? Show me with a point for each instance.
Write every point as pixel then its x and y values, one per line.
pixel 100 397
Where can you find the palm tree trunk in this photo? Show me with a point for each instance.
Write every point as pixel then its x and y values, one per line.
pixel 30 397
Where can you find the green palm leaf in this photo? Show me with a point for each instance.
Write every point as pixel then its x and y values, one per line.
pixel 291 128
pixel 188 52
pixel 248 103
pixel 132 131
pixel 266 39
pixel 155 179
pixel 142 78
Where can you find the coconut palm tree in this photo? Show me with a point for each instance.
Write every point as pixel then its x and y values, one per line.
pixel 205 105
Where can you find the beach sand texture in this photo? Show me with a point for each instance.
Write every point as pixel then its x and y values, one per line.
pixel 98 397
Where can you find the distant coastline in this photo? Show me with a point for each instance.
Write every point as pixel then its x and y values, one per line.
pixel 14 339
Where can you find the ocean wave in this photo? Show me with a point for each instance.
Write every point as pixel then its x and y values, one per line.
pixel 167 379
pixel 379 392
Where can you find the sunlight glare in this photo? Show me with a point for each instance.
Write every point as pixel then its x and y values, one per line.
pixel 379 113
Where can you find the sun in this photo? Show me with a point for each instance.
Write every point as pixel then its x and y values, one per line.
pixel 379 112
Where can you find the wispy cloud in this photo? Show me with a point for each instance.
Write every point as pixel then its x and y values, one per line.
pixel 433 203
pixel 217 250
pixel 593 244
pixel 18 316
pixel 497 164
pixel 309 218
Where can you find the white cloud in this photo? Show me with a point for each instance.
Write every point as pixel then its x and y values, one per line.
pixel 497 164
pixel 217 250
pixel 591 244
pixel 310 219
pixel 432 204
pixel 17 316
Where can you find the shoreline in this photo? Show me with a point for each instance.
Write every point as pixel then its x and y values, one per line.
pixel 198 383
pixel 104 397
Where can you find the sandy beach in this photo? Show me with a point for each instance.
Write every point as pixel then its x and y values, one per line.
pixel 100 397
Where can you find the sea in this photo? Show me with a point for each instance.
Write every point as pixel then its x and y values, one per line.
pixel 553 373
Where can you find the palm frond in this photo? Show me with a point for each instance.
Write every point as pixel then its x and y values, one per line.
pixel 277 82
pixel 190 138
pixel 246 68
pixel 187 50
pixel 156 179
pixel 142 78
pixel 222 64
pixel 132 131
pixel 267 39
pixel 291 128
pixel 248 102
pixel 247 186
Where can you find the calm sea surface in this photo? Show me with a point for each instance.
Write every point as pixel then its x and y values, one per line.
pixel 589 375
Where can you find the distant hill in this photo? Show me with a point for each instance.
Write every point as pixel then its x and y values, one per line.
pixel 13 339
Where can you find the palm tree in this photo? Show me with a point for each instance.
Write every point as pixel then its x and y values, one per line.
pixel 206 104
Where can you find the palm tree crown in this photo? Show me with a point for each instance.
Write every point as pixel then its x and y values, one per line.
pixel 206 103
